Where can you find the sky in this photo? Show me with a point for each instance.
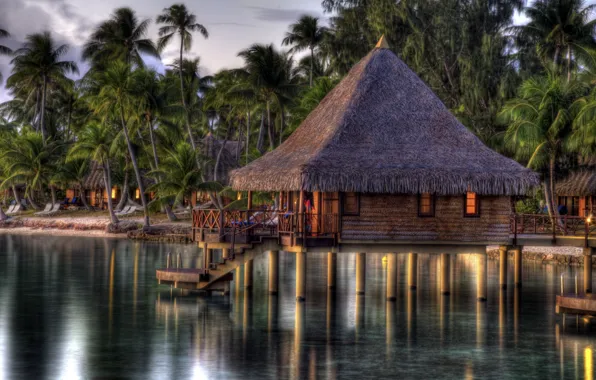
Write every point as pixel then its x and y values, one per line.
pixel 233 25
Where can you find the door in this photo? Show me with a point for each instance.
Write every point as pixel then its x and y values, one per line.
pixel 330 213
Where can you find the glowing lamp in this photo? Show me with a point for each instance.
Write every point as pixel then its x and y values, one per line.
pixel 137 194
pixel 114 192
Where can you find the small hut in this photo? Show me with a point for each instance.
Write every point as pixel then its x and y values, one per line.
pixel 382 159
pixel 95 189
pixel 577 191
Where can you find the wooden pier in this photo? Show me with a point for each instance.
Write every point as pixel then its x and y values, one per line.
pixel 576 304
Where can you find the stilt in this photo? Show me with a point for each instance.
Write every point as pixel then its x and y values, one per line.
pixel 331 269
pixel 226 290
pixel 412 270
pixel 300 276
pixel 360 273
pixel 273 271
pixel 248 274
pixel 445 282
pixel 503 267
pixel 517 267
pixel 481 277
pixel 588 270
pixel 391 277
pixel 225 253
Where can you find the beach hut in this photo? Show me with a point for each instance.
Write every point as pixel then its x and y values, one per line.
pixel 577 191
pixel 381 159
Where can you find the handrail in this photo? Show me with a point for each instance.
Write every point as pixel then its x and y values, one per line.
pixel 544 224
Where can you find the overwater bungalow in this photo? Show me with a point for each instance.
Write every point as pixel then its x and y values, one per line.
pixel 577 191
pixel 381 159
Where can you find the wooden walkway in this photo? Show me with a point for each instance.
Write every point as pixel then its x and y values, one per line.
pixel 576 304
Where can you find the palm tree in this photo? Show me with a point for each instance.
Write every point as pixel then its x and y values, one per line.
pixel 540 124
pixel 71 174
pixel 117 99
pixel 306 34
pixel 122 37
pixel 269 74
pixel 560 30
pixel 38 62
pixel 180 176
pixel 179 21
pixel 4 50
pixel 93 142
pixel 31 160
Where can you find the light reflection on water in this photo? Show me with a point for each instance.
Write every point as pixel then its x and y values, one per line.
pixel 91 308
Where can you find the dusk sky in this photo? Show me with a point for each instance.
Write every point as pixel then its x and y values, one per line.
pixel 232 24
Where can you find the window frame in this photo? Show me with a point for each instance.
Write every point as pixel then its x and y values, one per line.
pixel 433 203
pixel 476 214
pixel 343 204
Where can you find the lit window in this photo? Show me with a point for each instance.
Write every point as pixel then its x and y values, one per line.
pixel 113 193
pixel 472 204
pixel 138 194
pixel 426 205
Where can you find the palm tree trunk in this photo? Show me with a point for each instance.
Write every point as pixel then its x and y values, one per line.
pixel 568 64
pixel 282 121
pixel 17 199
pixel 260 141
pixel 107 179
pixel 124 192
pixel 247 134
pixel 270 127
pixel 312 64
pixel 53 193
pixel 3 216
pixel 32 202
pixel 43 110
pixel 223 146
pixel 153 146
pixel 135 165
pixel 83 198
pixel 186 114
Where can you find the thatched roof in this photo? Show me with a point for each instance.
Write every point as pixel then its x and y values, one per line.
pixel 209 147
pixel 580 182
pixel 383 130
pixel 95 181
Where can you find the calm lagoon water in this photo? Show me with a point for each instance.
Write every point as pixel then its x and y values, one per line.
pixel 90 308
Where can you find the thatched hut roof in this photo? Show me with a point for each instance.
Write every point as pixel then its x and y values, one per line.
pixel 95 181
pixel 580 182
pixel 383 130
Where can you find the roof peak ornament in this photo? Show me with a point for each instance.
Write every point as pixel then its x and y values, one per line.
pixel 382 44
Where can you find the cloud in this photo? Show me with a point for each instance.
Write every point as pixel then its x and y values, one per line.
pixel 280 15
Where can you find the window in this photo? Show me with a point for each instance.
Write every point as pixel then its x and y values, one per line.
pixel 472 204
pixel 351 204
pixel 426 204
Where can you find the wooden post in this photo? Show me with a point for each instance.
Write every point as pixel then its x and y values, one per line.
pixel 273 271
pixel 412 270
pixel 300 276
pixel 360 273
pixel 249 204
pixel 331 269
pixel 445 274
pixel 301 218
pixel 391 277
pixel 517 270
pixel 481 277
pixel 503 267
pixel 588 270
pixel 225 253
pixel 248 274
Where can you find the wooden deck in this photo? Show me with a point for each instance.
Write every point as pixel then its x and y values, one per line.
pixel 577 304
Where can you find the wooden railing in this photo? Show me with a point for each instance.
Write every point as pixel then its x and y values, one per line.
pixel 260 223
pixel 543 224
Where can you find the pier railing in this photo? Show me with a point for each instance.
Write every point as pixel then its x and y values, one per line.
pixel 543 224
pixel 249 225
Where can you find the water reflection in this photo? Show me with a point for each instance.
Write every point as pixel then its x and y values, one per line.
pixel 90 308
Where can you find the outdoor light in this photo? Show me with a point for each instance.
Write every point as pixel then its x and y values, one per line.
pixel 113 193
pixel 589 220
pixel 138 194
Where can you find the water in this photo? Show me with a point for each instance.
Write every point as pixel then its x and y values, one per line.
pixel 90 308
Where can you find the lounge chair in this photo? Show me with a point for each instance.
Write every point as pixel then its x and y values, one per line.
pixel 124 211
pixel 45 210
pixel 182 211
pixel 55 209
pixel 16 209
pixel 10 209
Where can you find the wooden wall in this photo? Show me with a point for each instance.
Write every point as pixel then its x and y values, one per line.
pixel 395 217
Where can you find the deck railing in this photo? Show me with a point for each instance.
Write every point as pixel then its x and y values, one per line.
pixel 543 224
pixel 233 224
